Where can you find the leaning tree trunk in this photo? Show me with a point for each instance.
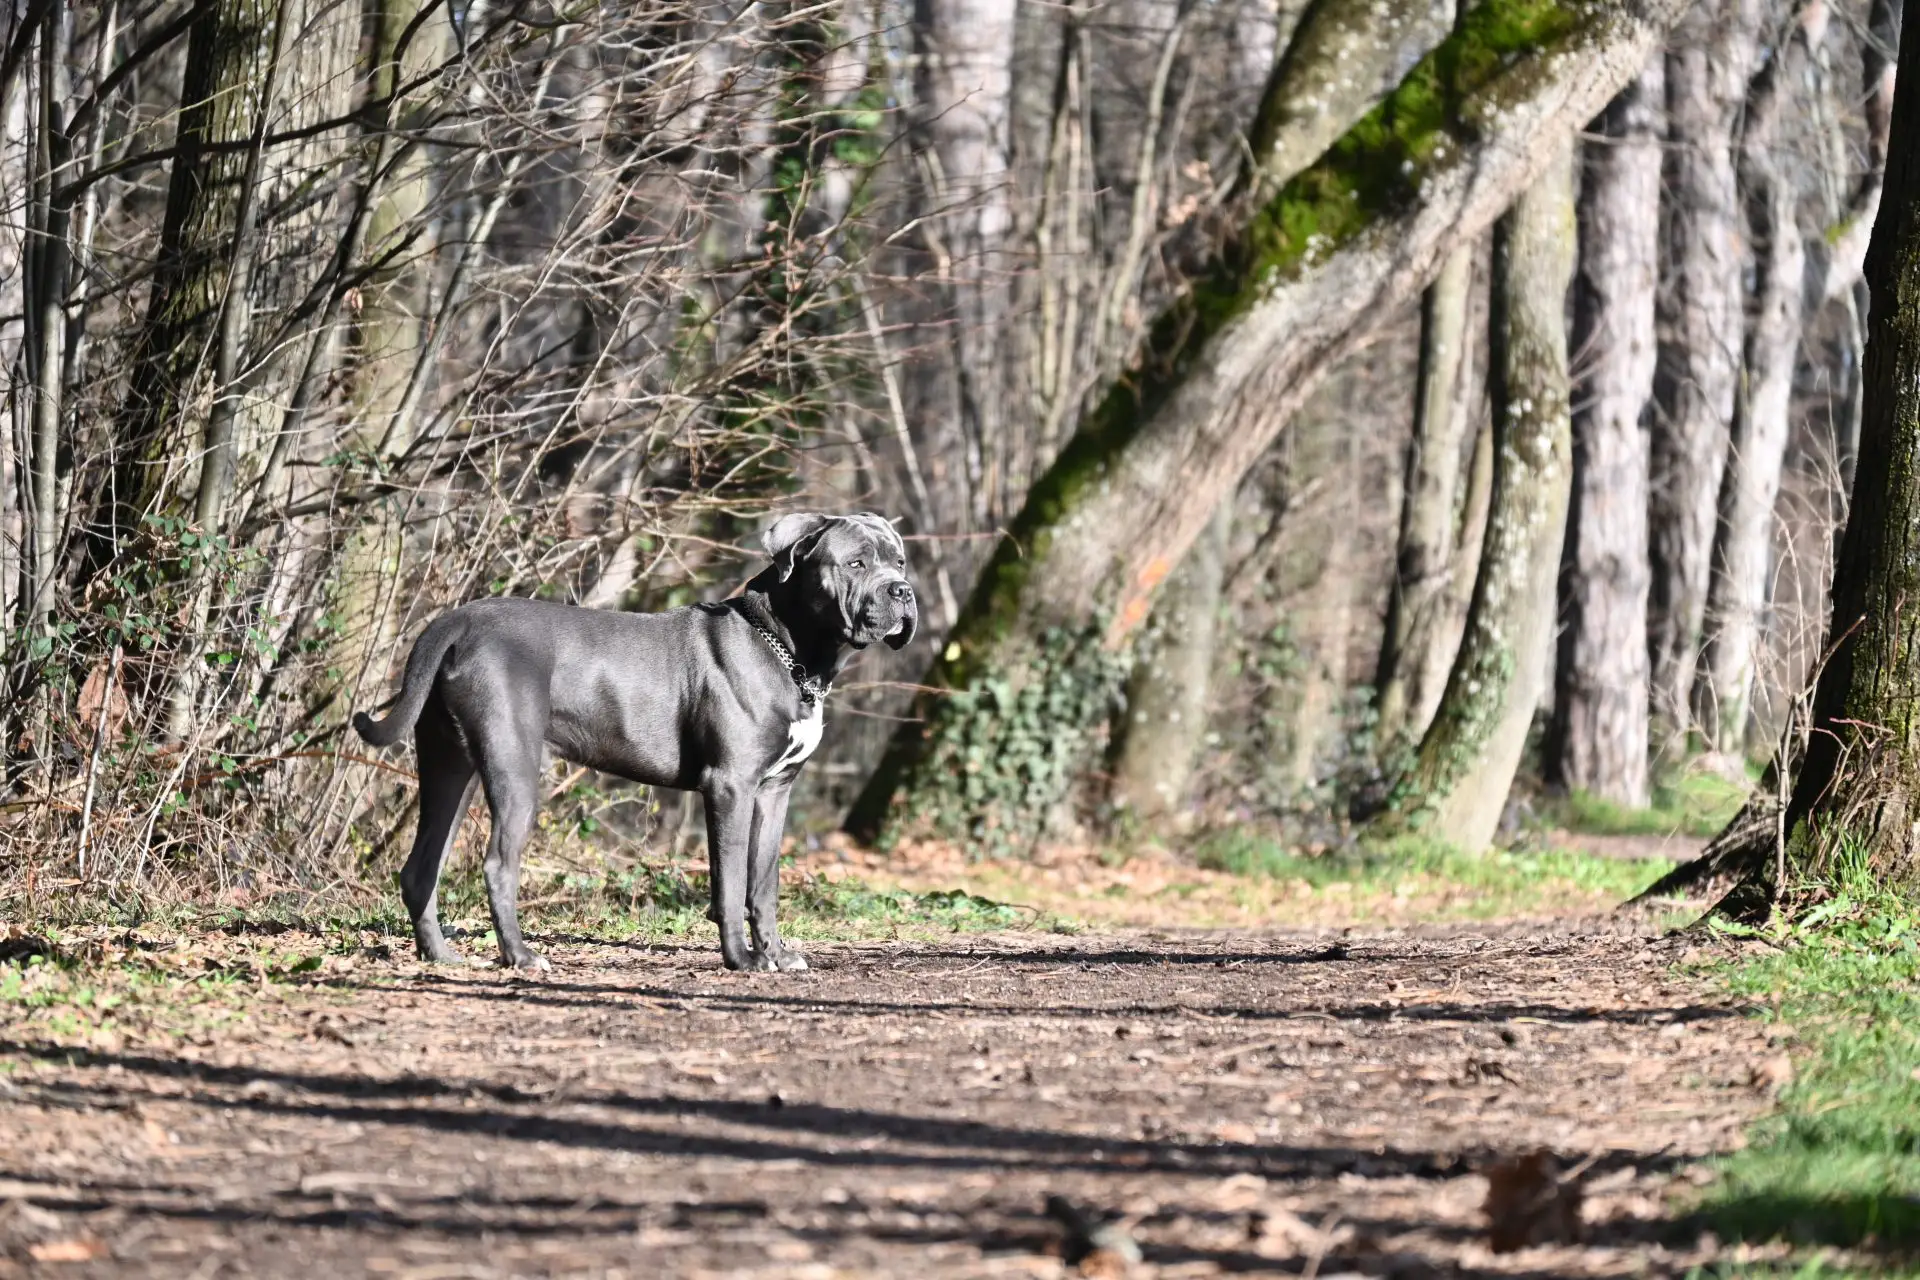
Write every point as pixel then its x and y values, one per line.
pixel 1458 784
pixel 1757 448
pixel 1038 652
pixel 1342 58
pixel 1598 739
pixel 1416 599
pixel 1165 721
pixel 1699 356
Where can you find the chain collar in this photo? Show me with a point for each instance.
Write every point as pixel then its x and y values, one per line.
pixel 812 688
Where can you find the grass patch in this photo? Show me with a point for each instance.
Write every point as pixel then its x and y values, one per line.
pixel 1492 883
pixel 1696 803
pixel 642 902
pixel 1839 1163
pixel 92 969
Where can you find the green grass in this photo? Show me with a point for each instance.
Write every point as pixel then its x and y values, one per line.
pixel 1839 1163
pixel 1697 803
pixel 1497 881
pixel 641 902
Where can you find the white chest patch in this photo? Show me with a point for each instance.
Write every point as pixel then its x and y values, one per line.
pixel 802 737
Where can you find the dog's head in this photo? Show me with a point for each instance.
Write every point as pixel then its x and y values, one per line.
pixel 850 573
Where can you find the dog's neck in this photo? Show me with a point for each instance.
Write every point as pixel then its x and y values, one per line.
pixel 778 607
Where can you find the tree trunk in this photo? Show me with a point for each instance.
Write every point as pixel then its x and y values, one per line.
pixel 228 51
pixel 1166 714
pixel 1757 451
pixel 1466 764
pixel 1699 356
pixel 391 335
pixel 967 54
pixel 1598 739
pixel 49 262
pixel 1342 244
pixel 1427 508
pixel 1845 243
pixel 1856 791
pixel 1344 56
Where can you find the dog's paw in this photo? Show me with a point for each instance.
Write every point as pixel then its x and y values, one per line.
pixel 751 962
pixel 528 963
pixel 789 961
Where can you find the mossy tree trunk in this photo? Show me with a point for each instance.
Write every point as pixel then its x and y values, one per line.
pixel 1342 58
pixel 1039 649
pixel 1425 557
pixel 1598 739
pixel 1466 763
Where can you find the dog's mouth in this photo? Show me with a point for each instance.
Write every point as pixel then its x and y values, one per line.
pixel 894 626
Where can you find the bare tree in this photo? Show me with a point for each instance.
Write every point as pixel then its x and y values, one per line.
pixel 1697 376
pixel 1458 784
pixel 1849 773
pixel 1757 444
pixel 1416 607
pixel 1597 741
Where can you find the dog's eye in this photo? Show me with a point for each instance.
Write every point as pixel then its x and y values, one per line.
pixel 856 564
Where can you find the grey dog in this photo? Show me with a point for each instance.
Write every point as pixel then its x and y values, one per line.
pixel 725 699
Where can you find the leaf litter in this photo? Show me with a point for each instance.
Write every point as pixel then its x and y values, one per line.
pixel 1397 1101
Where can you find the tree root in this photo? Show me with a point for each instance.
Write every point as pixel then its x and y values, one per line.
pixel 1737 866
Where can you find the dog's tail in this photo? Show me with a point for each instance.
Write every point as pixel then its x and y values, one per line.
pixel 423 664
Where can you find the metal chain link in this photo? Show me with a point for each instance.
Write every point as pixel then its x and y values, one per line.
pixel 812 688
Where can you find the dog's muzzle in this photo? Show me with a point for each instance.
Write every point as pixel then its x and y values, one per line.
pixel 906 613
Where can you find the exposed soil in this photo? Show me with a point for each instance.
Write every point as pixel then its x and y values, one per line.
pixel 1155 887
pixel 1673 847
pixel 1271 1103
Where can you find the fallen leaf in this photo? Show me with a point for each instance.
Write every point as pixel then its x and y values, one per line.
pixel 66 1251
pixel 1108 1264
pixel 101 694
pixel 1772 1074
pixel 1528 1204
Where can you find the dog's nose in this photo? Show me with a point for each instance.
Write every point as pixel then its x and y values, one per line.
pixel 900 591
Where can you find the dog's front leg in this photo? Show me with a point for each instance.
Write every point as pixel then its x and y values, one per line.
pixel 763 876
pixel 729 848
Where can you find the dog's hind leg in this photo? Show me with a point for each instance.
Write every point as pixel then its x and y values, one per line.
pixel 510 771
pixel 446 788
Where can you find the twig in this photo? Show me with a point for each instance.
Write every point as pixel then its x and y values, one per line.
pixel 93 761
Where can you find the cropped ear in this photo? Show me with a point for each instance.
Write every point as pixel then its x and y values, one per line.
pixel 783 537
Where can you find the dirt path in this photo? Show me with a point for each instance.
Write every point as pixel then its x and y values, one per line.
pixel 1250 1103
